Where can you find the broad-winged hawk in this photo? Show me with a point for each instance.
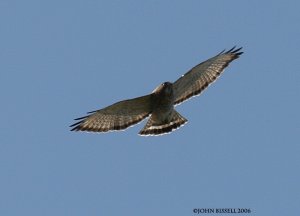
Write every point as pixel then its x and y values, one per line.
pixel 159 105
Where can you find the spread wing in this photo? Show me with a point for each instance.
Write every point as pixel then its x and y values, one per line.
pixel 199 77
pixel 117 116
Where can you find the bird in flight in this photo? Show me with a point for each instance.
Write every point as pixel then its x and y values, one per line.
pixel 159 105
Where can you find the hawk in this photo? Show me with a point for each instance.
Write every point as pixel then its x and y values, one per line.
pixel 159 105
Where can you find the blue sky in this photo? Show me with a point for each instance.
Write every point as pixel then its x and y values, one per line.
pixel 60 59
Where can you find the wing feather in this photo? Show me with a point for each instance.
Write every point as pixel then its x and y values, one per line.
pixel 202 75
pixel 118 116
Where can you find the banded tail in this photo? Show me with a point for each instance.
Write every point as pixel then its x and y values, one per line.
pixel 155 126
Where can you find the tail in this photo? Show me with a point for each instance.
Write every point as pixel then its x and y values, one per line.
pixel 155 126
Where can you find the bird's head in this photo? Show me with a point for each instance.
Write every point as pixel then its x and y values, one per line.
pixel 164 88
pixel 167 88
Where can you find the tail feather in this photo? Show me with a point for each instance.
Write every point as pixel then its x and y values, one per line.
pixel 154 127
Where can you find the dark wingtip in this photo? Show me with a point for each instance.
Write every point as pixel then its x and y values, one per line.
pixel 231 50
pixel 74 129
pixel 235 51
pixel 80 118
pixel 92 111
pixel 221 52
pixel 77 125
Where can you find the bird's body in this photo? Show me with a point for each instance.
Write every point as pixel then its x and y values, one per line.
pixel 163 116
pixel 160 103
pixel 163 101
